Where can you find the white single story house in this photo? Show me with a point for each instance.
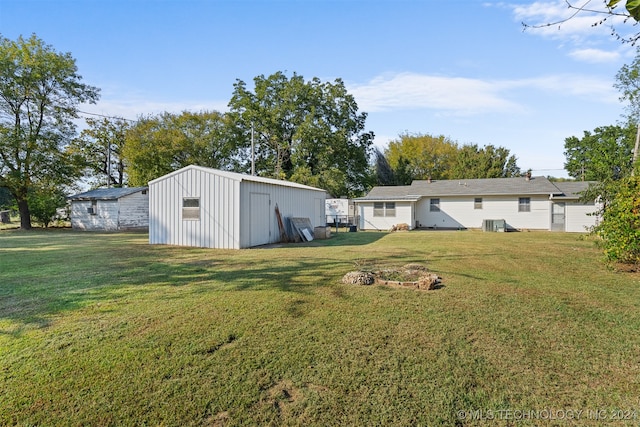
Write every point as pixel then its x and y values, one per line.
pixel 531 203
pixel 110 209
pixel 204 207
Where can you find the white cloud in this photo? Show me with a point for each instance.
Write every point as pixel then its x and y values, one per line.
pixel 414 91
pixel 557 20
pixel 467 96
pixel 595 55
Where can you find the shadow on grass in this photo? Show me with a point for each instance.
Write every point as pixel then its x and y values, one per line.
pixel 45 273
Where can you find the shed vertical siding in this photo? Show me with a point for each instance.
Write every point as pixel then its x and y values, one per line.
pixel 217 226
pixel 291 201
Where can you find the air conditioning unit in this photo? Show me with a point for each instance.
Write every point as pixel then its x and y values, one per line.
pixel 494 225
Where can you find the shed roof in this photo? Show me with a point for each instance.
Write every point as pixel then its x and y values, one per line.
pixel 106 193
pixel 238 177
pixel 522 186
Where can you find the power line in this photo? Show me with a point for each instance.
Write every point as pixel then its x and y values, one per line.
pixel 105 116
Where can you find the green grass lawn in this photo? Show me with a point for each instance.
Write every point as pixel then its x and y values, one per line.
pixel 104 329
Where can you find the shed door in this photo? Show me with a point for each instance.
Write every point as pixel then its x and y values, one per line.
pixel 557 216
pixel 260 228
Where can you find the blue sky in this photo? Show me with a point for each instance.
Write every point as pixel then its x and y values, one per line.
pixel 460 68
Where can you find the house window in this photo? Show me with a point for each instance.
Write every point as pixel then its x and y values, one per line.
pixel 378 209
pixel 191 208
pixel 390 209
pixel 384 209
pixel 434 205
pixel 524 204
pixel 477 203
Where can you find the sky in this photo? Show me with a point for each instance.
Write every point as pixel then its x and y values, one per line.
pixel 465 69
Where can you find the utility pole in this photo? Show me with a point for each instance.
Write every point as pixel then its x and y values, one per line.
pixel 635 152
pixel 253 157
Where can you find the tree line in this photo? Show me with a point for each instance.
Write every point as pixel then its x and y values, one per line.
pixel 285 127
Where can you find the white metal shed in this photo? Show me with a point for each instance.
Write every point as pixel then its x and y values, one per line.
pixel 204 207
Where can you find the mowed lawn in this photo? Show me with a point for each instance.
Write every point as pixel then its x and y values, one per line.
pixel 104 329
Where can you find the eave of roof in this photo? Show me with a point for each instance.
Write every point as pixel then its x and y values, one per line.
pixel 238 177
pixel 106 193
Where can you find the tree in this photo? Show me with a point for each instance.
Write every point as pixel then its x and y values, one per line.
pixel 383 170
pixel 40 90
pixel 44 203
pixel 606 154
pixel 304 131
pixel 603 16
pixel 100 147
pixel 472 161
pixel 419 156
pixel 158 145
pixel 425 156
pixel 620 226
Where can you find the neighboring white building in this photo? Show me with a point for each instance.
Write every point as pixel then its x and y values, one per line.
pixel 522 203
pixel 203 207
pixel 110 209
pixel 340 210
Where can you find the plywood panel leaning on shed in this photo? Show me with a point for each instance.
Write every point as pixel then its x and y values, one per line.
pixel 204 207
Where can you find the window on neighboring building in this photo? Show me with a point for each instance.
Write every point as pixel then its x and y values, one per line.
pixel 524 204
pixel 378 209
pixel 191 208
pixel 384 208
pixel 390 209
pixel 93 210
pixel 477 203
pixel 434 205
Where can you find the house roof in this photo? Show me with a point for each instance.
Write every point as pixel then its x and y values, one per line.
pixel 572 189
pixel 106 193
pixel 522 186
pixel 238 177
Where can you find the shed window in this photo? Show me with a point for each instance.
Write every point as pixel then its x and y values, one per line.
pixel 93 210
pixel 524 204
pixel 384 208
pixel 477 203
pixel 191 208
pixel 434 205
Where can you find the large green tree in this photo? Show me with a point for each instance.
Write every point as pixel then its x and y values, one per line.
pixel 157 145
pixel 40 90
pixel 472 161
pixel 100 147
pixel 305 131
pixel 423 156
pixel 602 155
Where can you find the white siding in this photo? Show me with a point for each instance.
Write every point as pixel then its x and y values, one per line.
pixel 459 212
pixel 134 211
pixel 578 218
pixel 226 217
pixel 404 215
pixel 218 225
pixel 105 218
pixel 291 201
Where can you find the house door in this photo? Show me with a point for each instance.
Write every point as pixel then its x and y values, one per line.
pixel 260 219
pixel 557 216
